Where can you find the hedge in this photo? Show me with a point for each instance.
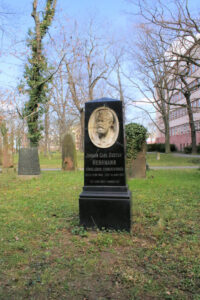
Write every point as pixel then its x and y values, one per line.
pixel 159 147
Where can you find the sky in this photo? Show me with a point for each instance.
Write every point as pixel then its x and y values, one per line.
pixel 111 13
pixel 18 20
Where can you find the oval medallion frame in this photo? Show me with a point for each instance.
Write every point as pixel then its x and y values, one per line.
pixel 111 123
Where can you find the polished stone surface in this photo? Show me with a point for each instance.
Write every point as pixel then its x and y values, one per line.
pixel 105 201
pixel 104 166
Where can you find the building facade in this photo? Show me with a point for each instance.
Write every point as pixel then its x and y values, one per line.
pixel 178 117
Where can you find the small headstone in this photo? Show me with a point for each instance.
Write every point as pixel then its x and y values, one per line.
pixel 158 156
pixel 137 167
pixel 28 164
pixel 106 200
pixel 68 153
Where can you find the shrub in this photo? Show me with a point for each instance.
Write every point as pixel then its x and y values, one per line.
pixel 198 148
pixel 173 148
pixel 187 149
pixel 159 147
pixel 135 138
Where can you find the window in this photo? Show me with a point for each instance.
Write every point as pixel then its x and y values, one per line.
pixel 197 125
pixel 184 129
pixel 175 114
pixel 194 104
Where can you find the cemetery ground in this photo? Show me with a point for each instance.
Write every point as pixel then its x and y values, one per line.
pixel 44 254
pixel 54 161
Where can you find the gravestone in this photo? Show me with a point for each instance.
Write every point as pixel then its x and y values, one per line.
pixel 157 156
pixel 69 160
pixel 7 162
pixel 28 164
pixel 137 167
pixel 106 200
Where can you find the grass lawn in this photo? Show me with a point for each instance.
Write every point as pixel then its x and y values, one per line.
pixel 44 254
pixel 170 160
pixel 54 161
pixel 165 160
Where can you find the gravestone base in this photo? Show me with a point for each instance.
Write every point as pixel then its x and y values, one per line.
pixel 27 177
pixel 105 207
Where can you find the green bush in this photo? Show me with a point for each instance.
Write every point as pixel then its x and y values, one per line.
pixel 187 149
pixel 198 148
pixel 135 138
pixel 159 147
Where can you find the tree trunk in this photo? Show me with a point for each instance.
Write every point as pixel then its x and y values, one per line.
pixel 1 150
pixel 167 137
pixel 90 93
pixel 82 119
pixel 46 130
pixel 7 153
pixel 191 123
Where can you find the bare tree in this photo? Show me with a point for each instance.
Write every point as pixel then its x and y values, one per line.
pixel 150 78
pixel 86 64
pixel 180 31
pixel 61 102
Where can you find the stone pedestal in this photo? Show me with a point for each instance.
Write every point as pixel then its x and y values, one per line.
pixel 105 201
pixel 105 208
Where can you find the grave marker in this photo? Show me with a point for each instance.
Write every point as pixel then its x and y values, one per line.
pixel 106 200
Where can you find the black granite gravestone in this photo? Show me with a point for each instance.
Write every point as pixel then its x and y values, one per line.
pixel 106 200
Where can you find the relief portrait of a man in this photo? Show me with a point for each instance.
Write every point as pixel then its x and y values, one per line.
pixel 103 127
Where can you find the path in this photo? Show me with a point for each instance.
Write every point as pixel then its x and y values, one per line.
pixel 150 167
pixel 186 155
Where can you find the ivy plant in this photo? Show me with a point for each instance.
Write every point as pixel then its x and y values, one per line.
pixel 136 136
pixel 36 71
